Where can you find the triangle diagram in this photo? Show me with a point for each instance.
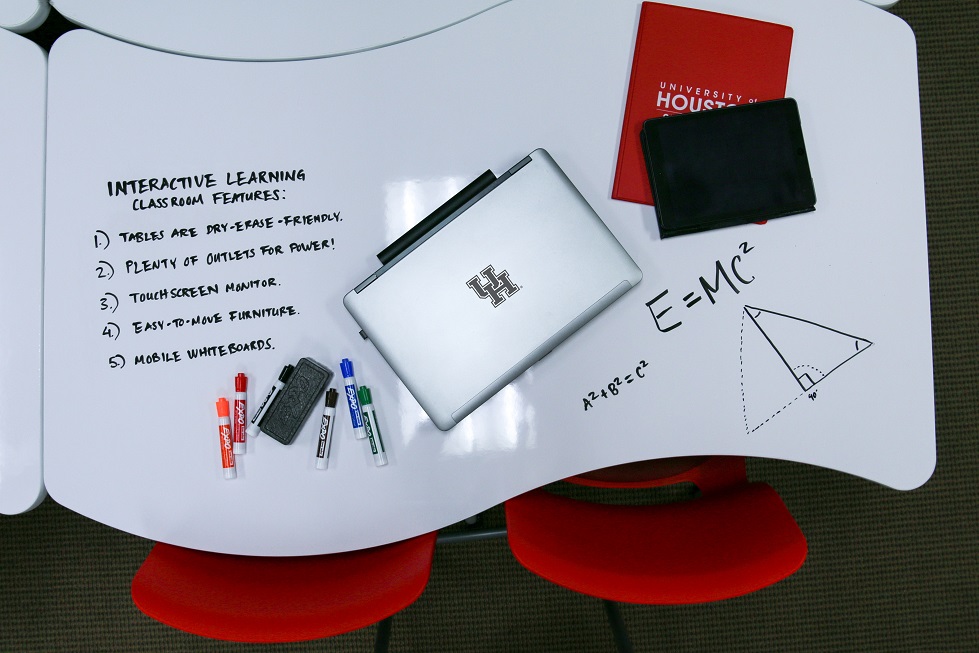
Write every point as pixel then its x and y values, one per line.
pixel 809 351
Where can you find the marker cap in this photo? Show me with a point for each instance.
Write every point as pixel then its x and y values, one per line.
pixel 224 409
pixel 346 368
pixel 241 382
pixel 364 394
pixel 331 398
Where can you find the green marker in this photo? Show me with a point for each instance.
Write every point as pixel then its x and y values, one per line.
pixel 371 426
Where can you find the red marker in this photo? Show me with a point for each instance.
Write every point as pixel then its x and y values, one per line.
pixel 227 445
pixel 241 400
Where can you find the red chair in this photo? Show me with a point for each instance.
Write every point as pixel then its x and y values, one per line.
pixel 259 599
pixel 736 538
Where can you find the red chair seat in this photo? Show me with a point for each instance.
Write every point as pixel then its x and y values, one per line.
pixel 719 546
pixel 259 599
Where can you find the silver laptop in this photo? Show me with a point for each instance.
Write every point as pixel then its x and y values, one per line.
pixel 488 284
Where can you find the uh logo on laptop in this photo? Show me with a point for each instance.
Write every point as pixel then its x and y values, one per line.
pixel 496 288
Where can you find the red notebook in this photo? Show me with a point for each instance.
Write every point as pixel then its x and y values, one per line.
pixel 693 60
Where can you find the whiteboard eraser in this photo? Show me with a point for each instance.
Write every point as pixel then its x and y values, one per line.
pixel 296 400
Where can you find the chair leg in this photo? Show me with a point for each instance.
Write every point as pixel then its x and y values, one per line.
pixel 471 535
pixel 622 642
pixel 383 637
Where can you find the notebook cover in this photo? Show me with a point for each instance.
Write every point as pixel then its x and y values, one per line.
pixel 693 60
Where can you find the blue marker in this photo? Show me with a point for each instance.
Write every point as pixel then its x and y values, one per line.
pixel 350 389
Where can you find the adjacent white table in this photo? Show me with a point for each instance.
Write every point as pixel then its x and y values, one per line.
pixel 23 71
pixel 382 137
pixel 22 16
pixel 268 31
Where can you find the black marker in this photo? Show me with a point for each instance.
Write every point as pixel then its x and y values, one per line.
pixel 253 429
pixel 326 430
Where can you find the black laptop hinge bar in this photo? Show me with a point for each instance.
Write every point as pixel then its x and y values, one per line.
pixel 519 164
pixel 434 218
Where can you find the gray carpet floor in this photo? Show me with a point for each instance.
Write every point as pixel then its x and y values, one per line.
pixel 887 570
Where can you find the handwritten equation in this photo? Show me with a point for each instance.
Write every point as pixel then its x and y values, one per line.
pixel 615 387
pixel 729 274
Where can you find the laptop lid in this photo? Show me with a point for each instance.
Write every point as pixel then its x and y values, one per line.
pixel 480 292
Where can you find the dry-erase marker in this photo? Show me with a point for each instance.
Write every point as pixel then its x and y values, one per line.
pixel 224 435
pixel 372 427
pixel 326 429
pixel 274 390
pixel 350 389
pixel 241 403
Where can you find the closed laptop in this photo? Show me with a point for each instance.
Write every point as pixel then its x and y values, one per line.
pixel 485 287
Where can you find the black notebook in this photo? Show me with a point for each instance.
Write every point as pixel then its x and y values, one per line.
pixel 727 166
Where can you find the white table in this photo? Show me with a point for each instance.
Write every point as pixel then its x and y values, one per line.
pixel 23 72
pixel 383 137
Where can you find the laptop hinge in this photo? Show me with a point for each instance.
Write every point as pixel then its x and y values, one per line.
pixel 436 217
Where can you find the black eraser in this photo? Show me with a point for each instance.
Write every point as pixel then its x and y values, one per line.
pixel 295 401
